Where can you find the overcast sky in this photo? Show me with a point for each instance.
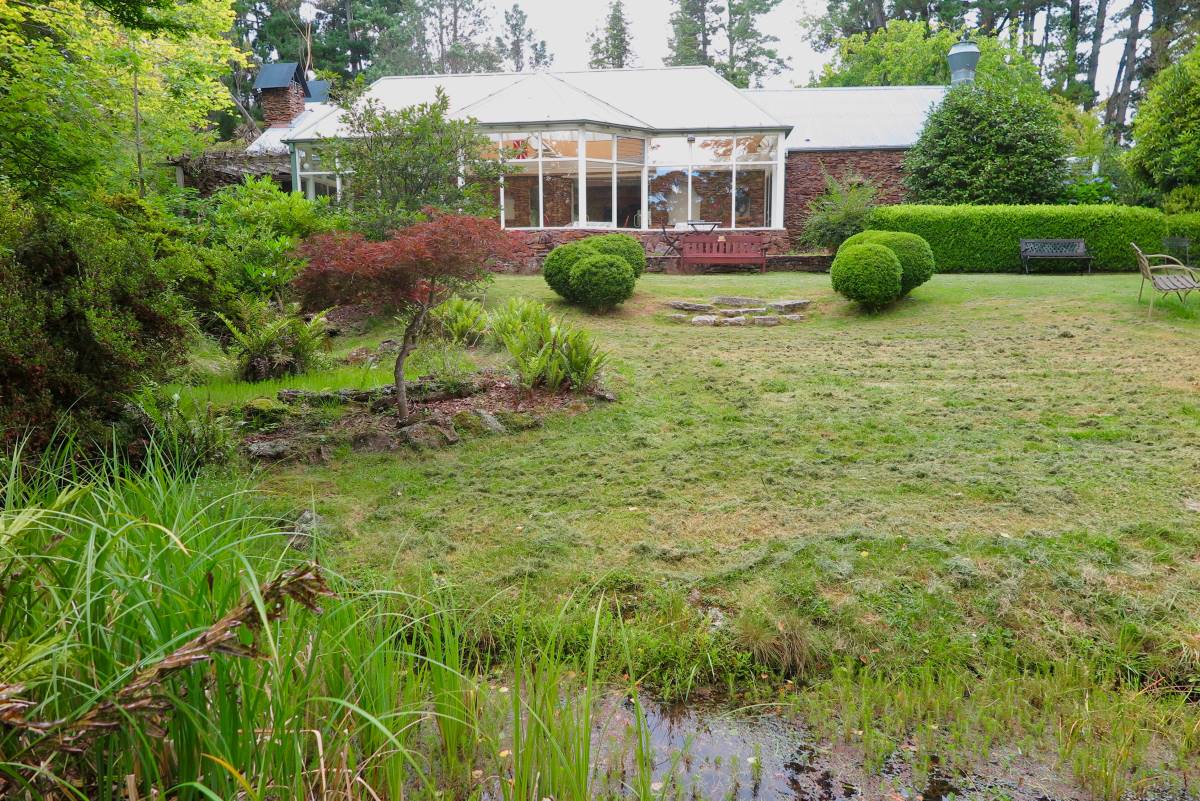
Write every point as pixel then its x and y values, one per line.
pixel 565 24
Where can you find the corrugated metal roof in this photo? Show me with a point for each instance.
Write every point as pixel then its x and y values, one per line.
pixel 278 75
pixel 665 99
pixel 273 141
pixel 846 118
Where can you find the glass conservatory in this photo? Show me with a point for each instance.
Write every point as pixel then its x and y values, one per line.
pixel 586 178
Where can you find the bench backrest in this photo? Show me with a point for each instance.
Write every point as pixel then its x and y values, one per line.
pixel 721 245
pixel 1053 248
pixel 1143 262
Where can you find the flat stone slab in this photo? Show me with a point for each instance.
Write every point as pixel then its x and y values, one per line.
pixel 791 318
pixel 732 321
pixel 704 319
pixel 679 318
pixel 788 306
pixel 766 320
pixel 687 305
pixel 737 301
pixel 742 312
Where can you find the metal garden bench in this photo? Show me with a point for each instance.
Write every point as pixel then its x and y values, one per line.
pixel 1058 249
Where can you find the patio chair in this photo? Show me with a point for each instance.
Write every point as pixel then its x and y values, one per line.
pixel 1167 276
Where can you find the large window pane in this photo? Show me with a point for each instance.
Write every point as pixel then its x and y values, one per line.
pixel 670 150
pixel 519 146
pixel 598 146
pixel 521 198
pixel 668 196
pixel 600 193
pixel 560 188
pixel 560 144
pixel 713 150
pixel 631 150
pixel 752 206
pixel 629 196
pixel 761 147
pixel 712 195
pixel 314 158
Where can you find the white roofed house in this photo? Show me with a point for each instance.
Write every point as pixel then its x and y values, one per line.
pixel 640 150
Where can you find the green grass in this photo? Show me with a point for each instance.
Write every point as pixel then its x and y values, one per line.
pixel 987 480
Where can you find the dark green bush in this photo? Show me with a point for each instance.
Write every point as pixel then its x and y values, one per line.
pixel 600 282
pixel 985 238
pixel 916 257
pixel 557 266
pixel 1185 225
pixel 866 274
pixel 623 245
pixel 86 316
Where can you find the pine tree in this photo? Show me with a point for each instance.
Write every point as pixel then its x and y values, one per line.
pixel 694 25
pixel 517 45
pixel 612 42
pixel 750 55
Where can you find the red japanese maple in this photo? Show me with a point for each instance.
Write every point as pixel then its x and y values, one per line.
pixel 407 274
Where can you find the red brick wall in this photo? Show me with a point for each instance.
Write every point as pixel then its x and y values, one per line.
pixel 806 171
pixel 281 106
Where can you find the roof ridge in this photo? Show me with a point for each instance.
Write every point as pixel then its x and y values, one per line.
pixel 849 88
pixel 602 101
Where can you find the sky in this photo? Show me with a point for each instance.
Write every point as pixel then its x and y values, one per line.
pixel 565 24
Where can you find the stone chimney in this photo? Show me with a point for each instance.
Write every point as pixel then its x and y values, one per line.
pixel 962 58
pixel 281 105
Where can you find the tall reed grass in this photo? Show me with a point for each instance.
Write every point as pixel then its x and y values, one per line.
pixel 155 642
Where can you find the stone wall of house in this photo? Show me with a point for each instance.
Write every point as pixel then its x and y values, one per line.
pixel 806 171
pixel 532 246
pixel 281 106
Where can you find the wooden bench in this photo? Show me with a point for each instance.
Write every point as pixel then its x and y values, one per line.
pixel 722 249
pixel 1059 249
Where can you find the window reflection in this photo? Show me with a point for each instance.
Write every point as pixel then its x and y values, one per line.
pixel 712 196
pixel 713 150
pixel 522 197
pixel 560 187
pixel 667 196
pixel 600 193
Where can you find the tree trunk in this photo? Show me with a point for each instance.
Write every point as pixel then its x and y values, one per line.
pixel 1118 104
pixel 1093 65
pixel 407 345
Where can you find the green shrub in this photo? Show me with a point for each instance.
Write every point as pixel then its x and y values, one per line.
pixel 463 321
pixel 842 211
pixel 1185 225
pixel 916 257
pixel 866 274
pixel 623 245
pixel 557 266
pixel 600 282
pixel 985 238
pixel 86 316
pixel 1184 200
pixel 273 345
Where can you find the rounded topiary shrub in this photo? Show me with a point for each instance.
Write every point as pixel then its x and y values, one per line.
pixel 915 255
pixel 557 266
pixel 623 245
pixel 866 274
pixel 600 282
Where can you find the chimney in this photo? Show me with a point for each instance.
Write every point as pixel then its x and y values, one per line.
pixel 282 89
pixel 282 105
pixel 963 58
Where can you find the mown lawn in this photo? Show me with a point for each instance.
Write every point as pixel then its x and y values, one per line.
pixel 996 479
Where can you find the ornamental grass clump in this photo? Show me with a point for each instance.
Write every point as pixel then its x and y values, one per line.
pixel 869 275
pixel 915 255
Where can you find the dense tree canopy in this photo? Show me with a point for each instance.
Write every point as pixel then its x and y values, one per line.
pixel 726 36
pixel 992 141
pixel 1166 131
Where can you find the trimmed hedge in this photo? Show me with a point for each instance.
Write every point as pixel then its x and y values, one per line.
pixel 623 245
pixel 867 274
pixel 915 255
pixel 600 282
pixel 1185 225
pixel 557 266
pixel 984 239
